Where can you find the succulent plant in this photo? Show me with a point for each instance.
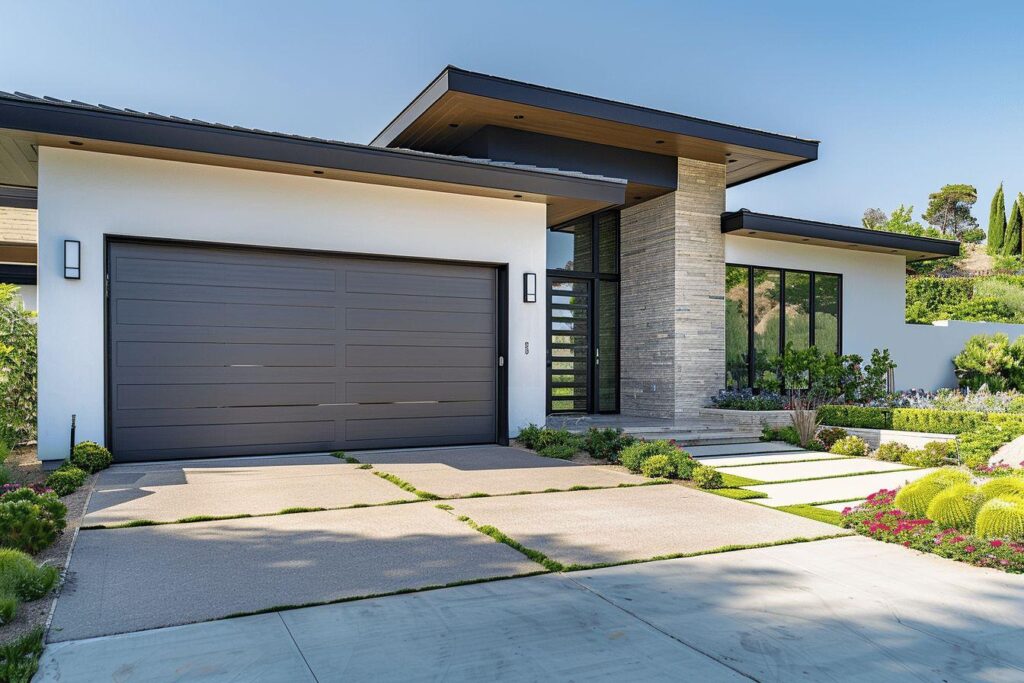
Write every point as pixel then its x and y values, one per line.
pixel 915 497
pixel 1001 517
pixel 956 507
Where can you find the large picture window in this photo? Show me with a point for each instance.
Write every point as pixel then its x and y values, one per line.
pixel 768 308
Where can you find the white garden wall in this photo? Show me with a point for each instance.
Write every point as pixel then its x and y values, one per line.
pixel 874 302
pixel 84 195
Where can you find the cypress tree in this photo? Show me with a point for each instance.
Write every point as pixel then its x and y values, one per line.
pixel 1011 242
pixel 997 223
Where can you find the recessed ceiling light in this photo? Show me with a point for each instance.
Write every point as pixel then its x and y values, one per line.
pixel 518 117
pixel 76 143
pixel 659 142
pixel 732 161
pixel 517 196
pixel 806 239
pixel 318 172
pixel 453 125
pixel 751 232
pixel 637 197
pixel 728 154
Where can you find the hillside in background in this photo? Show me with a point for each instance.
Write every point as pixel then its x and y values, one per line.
pixel 974 287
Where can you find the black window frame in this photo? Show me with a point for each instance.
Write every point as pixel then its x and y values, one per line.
pixel 594 276
pixel 751 359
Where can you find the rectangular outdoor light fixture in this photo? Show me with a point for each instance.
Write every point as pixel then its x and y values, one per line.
pixel 530 288
pixel 72 260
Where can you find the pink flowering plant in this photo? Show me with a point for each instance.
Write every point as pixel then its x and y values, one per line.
pixel 879 518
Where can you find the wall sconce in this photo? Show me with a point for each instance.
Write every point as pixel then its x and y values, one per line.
pixel 530 288
pixel 72 260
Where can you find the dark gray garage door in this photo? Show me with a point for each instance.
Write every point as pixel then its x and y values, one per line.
pixel 217 352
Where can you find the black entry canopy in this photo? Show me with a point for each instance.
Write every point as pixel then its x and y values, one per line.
pixel 765 226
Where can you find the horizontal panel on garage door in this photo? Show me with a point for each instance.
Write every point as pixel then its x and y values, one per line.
pixel 219 351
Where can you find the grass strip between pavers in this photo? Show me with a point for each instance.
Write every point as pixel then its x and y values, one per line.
pixel 810 512
pixel 836 476
pixel 737 494
pixel 495 533
pixel 837 500
pixel 781 462
pixel 406 486
pixel 734 481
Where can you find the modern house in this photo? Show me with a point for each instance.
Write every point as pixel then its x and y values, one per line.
pixel 499 252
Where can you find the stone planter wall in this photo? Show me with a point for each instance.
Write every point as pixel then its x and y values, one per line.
pixel 751 418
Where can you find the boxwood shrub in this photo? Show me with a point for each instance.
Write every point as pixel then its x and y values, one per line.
pixel 855 416
pixel 935 421
pixel 91 457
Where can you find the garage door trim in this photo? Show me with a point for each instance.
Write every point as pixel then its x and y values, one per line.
pixel 501 311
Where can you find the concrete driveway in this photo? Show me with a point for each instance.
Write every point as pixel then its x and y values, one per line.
pixel 848 609
pixel 129 579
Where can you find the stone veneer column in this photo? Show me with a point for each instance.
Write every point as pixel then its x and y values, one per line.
pixel 673 296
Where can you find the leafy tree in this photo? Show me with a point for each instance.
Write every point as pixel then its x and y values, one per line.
pixel 1011 240
pixel 997 222
pixel 17 369
pixel 901 221
pixel 949 209
pixel 873 219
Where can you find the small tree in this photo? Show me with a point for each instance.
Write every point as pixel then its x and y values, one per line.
pixel 1012 239
pixel 813 378
pixel 997 223
pixel 17 368
pixel 873 219
pixel 949 209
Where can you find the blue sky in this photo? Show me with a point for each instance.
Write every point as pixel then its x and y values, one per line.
pixel 904 96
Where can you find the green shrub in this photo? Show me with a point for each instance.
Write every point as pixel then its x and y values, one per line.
pixel 91 457
pixel 935 421
pixel 956 507
pixel 19 659
pixel 529 436
pixel 66 480
pixel 1001 517
pixel 683 464
pixel 915 497
pixel 632 457
pixel 30 521
pixel 891 451
pixel 657 467
pixel 558 450
pixel 850 445
pixel 855 416
pixel 787 434
pixel 707 477
pixel 829 435
pixel 20 364
pixel 1003 486
pixel 21 581
pixel 928 297
pixel 932 454
pixel 992 361
pixel 605 444
pixel 977 446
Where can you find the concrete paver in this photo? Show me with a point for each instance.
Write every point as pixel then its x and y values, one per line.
pixel 163 494
pixel 617 525
pixel 765 458
pixel 824 468
pixel 742 448
pixel 132 579
pixel 494 470
pixel 841 488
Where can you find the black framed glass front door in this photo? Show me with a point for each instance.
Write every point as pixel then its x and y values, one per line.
pixel 583 315
pixel 570 375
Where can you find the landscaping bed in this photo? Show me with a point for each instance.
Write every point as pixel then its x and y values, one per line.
pixel 951 514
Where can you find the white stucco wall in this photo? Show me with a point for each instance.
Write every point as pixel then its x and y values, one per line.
pixel 84 195
pixel 874 302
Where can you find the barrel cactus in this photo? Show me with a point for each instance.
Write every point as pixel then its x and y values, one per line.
pixel 1001 517
pixel 1003 486
pixel 956 507
pixel 915 497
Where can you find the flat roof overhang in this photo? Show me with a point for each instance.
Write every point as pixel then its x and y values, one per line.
pixel 459 102
pixel 746 223
pixel 27 123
